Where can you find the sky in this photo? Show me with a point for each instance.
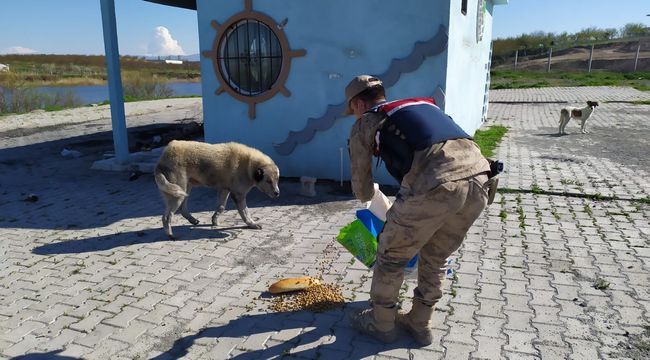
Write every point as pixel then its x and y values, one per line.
pixel 75 26
pixel 526 16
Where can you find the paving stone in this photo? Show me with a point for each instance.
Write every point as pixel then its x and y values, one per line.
pixel 583 349
pixel 131 332
pixel 125 317
pixel 520 342
pixel 88 324
pixel 461 333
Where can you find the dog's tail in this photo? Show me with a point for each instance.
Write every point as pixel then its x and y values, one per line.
pixel 564 115
pixel 165 186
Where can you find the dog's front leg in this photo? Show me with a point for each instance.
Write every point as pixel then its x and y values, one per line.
pixel 562 126
pixel 221 206
pixel 240 201
pixel 582 126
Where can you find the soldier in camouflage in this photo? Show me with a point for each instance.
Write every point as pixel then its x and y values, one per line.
pixel 442 177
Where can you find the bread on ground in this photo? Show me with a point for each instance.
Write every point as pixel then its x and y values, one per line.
pixel 293 284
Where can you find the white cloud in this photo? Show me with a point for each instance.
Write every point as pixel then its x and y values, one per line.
pixel 19 50
pixel 163 44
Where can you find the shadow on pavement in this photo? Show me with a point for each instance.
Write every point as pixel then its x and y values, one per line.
pixel 333 325
pixel 50 355
pixel 111 241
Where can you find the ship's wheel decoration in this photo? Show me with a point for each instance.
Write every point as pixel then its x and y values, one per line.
pixel 251 57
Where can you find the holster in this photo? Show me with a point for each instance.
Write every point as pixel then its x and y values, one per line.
pixel 496 167
pixel 491 186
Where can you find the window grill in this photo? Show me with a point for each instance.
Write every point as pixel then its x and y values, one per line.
pixel 250 57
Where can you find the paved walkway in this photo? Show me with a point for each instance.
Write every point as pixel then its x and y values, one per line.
pixel 557 267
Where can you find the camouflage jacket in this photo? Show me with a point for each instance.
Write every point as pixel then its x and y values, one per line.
pixel 441 162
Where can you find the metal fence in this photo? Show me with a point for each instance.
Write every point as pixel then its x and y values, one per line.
pixel 619 56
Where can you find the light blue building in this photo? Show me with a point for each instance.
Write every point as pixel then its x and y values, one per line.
pixel 273 72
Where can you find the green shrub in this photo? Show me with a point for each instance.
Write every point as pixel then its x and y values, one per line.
pixel 144 87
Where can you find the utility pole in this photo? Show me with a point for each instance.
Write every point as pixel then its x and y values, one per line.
pixel 636 58
pixel 591 55
pixel 550 54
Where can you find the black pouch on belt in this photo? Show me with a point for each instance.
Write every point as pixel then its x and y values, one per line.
pixel 496 167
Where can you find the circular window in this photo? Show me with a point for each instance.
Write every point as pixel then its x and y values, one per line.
pixel 250 57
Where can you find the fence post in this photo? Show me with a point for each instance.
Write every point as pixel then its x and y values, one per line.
pixel 516 57
pixel 550 54
pixel 591 56
pixel 636 58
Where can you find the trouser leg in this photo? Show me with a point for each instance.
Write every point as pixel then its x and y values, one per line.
pixel 447 239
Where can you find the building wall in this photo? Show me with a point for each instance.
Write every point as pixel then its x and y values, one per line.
pixel 342 39
pixel 467 65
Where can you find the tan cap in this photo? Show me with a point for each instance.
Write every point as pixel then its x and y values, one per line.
pixel 357 86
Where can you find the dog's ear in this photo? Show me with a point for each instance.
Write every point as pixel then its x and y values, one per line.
pixel 259 174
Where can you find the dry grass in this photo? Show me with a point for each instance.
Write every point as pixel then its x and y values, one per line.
pixel 45 70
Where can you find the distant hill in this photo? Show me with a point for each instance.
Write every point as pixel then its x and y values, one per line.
pixel 617 56
pixel 193 57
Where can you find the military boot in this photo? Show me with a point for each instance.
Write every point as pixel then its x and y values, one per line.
pixel 378 322
pixel 417 322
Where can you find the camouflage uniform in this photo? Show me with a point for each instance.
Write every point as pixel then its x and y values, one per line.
pixel 439 199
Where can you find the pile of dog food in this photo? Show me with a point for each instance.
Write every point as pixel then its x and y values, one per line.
pixel 317 298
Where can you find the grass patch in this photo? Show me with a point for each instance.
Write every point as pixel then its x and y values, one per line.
pixel 601 284
pixel 571 182
pixel 522 217
pixel 555 214
pixel 510 79
pixel 597 197
pixel 508 191
pixel 489 138
pixel 503 215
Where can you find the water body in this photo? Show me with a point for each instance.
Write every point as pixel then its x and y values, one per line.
pixel 93 94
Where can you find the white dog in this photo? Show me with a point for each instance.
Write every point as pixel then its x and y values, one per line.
pixel 581 114
pixel 230 168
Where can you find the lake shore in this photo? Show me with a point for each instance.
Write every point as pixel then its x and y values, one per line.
pixel 88 81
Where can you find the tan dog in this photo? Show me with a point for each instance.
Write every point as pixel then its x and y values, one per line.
pixel 581 114
pixel 230 168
